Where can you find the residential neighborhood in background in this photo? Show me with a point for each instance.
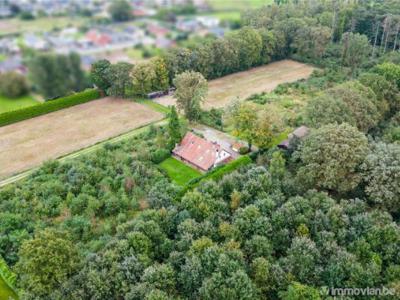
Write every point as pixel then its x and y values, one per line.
pixel 199 149
pixel 87 28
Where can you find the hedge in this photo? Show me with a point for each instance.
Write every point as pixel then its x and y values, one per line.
pixel 47 107
pixel 218 172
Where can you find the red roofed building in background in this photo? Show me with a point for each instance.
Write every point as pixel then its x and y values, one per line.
pixel 97 38
pixel 200 153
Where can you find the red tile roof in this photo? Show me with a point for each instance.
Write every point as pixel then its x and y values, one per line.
pixel 197 151
pixel 97 38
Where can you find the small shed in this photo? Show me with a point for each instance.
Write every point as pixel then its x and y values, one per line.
pixel 298 133
pixel 236 146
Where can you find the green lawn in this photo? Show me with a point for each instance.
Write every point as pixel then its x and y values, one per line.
pixel 5 292
pixel 178 171
pixel 15 25
pixel 135 53
pixel 225 15
pixel 7 104
pixel 237 4
pixel 154 105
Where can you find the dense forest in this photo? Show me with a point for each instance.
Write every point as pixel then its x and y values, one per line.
pixel 324 213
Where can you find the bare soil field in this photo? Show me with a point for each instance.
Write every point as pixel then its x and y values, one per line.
pixel 27 144
pixel 244 84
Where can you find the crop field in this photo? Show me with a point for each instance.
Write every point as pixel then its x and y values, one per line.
pixel 223 91
pixel 27 144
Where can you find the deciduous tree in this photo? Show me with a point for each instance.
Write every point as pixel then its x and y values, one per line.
pixel 120 10
pixel 161 79
pixel 191 90
pixel 382 175
pixel 46 262
pixel 143 76
pixel 119 75
pixel 331 156
pixel 99 74
pixel 356 48
pixel 361 102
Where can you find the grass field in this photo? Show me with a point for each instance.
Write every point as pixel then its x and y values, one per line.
pixel 154 105
pixel 135 53
pixel 5 292
pixel 12 26
pixel 225 15
pixel 229 5
pixel 7 104
pixel 28 143
pixel 178 171
pixel 223 91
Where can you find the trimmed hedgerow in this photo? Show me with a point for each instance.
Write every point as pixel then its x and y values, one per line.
pixel 47 107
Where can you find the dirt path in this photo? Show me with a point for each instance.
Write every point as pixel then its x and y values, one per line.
pixel 244 84
pixel 27 144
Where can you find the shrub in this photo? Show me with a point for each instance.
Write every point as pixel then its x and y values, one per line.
pixel 259 98
pixel 244 150
pixel 212 118
pixel 160 155
pixel 47 107
pixel 13 85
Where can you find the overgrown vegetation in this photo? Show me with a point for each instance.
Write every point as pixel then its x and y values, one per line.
pixel 279 226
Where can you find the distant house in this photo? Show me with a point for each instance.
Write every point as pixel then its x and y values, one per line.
pixel 97 38
pixel 298 133
pixel 157 30
pixel 163 43
pixel 143 12
pixel 35 42
pixel 208 22
pixel 236 146
pixel 200 153
pixel 13 63
pixel 189 25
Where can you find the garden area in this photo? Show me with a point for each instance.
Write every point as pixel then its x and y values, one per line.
pixel 179 172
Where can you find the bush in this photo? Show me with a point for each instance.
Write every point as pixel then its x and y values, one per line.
pixel 26 16
pixel 212 118
pixel 244 150
pixel 13 85
pixel 160 155
pixel 259 98
pixel 47 107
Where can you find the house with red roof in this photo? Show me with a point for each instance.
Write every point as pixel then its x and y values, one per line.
pixel 200 153
pixel 97 38
pixel 157 30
